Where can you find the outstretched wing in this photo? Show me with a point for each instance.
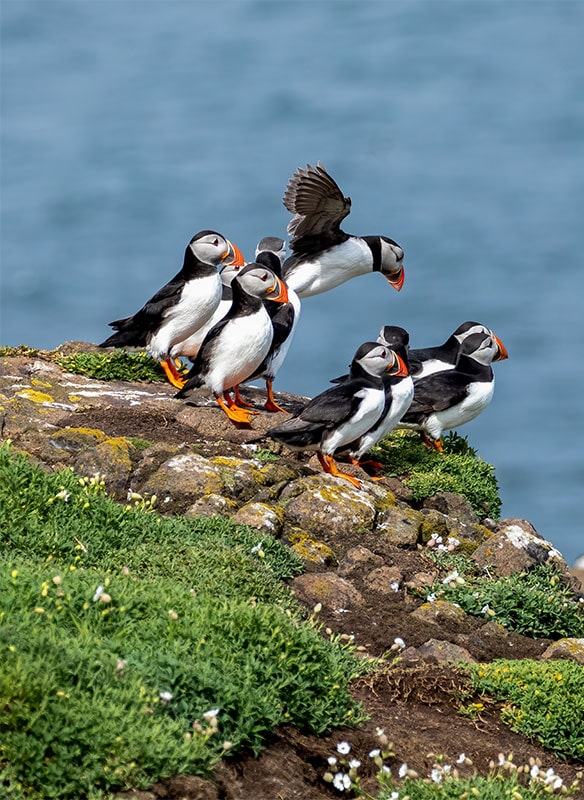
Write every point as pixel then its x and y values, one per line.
pixel 317 203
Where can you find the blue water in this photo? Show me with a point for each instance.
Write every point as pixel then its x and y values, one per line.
pixel 456 127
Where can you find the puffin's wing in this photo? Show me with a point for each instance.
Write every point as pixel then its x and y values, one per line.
pixel 438 392
pixel 153 311
pixel 282 320
pixel 333 406
pixel 315 200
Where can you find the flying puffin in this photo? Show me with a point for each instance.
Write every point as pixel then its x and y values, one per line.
pixel 427 360
pixel 324 256
pixel 235 347
pixel 185 303
pixel 284 316
pixel 448 399
pixel 343 413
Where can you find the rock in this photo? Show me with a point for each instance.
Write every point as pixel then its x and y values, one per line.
pixel 314 553
pixel 322 503
pixel 572 649
pixel 356 559
pixel 385 580
pixel 441 612
pixel 421 580
pixel 437 523
pixel 436 651
pixel 516 546
pixel 111 459
pixel 260 516
pixel 211 505
pixel 334 592
pixel 401 526
pixel 453 505
pixel 183 479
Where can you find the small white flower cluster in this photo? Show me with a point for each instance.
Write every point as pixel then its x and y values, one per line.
pixel 453 577
pixel 436 542
pixel 537 774
pixel 398 644
pixel 344 776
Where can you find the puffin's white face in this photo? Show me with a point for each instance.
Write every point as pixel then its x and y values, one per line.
pixel 378 360
pixel 392 258
pixel 211 248
pixel 229 272
pixel 259 282
pixel 474 329
pixel 485 351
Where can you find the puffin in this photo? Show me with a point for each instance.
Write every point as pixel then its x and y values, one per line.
pixel 236 346
pixel 342 413
pixel 427 360
pixel 448 399
pixel 399 393
pixel 192 344
pixel 182 306
pixel 324 256
pixel 271 251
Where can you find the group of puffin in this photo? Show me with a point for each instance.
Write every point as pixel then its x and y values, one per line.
pixel 236 324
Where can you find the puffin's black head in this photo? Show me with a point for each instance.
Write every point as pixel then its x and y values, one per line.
pixel 269 259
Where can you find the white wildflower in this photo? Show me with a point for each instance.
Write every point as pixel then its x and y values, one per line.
pixel 451 577
pixel 398 642
pixel 403 770
pixel 534 771
pixel 375 753
pixel 165 697
pixel 342 782
pixel 394 586
pixel 344 748
pixel 98 593
pixel 461 758
pixel 211 714
pixel 62 495
pixel 436 775
pixel 332 760
pixel 431 598
pixel 354 763
pixel 256 548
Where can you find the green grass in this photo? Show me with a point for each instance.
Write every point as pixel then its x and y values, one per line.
pixel 536 603
pixel 426 471
pixel 104 609
pixel 544 700
pixel 122 365
pixel 497 787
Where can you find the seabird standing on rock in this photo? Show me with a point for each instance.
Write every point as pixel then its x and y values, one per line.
pixel 235 347
pixel 323 255
pixel 178 309
pixel 427 360
pixel 284 316
pixel 446 400
pixel 343 413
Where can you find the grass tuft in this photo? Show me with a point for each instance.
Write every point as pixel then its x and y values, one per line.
pixel 426 471
pixel 116 365
pixel 135 647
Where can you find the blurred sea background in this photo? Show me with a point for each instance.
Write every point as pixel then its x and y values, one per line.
pixel 457 128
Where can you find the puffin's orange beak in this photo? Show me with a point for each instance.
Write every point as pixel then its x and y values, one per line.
pixel 282 289
pixel 398 281
pixel 235 255
pixel 502 353
pixel 402 369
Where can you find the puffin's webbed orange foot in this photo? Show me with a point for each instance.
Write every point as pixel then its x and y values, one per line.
pixel 328 464
pixel 172 374
pixel 270 404
pixel 236 414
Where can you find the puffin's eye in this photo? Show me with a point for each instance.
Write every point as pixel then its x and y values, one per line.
pixel 215 242
pixel 264 277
